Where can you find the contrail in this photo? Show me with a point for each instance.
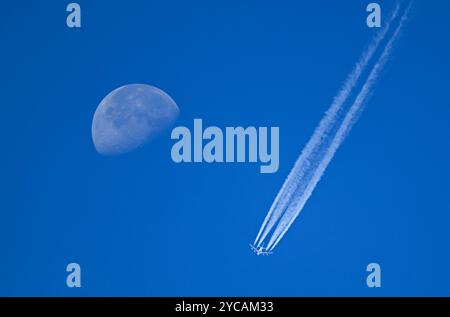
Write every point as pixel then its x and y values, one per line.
pixel 319 136
pixel 324 143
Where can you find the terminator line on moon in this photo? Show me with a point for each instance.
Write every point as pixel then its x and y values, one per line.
pixel 129 116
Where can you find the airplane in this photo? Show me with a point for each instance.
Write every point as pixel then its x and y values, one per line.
pixel 259 250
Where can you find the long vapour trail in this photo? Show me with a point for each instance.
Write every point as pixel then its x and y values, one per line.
pixel 319 137
pixel 296 205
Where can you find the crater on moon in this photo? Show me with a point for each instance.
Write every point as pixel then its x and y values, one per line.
pixel 129 116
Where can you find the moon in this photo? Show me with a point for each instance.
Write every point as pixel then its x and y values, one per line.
pixel 131 115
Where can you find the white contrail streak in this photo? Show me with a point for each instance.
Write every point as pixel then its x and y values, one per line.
pixel 322 146
pixel 279 205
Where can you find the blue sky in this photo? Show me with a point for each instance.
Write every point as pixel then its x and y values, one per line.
pixel 141 225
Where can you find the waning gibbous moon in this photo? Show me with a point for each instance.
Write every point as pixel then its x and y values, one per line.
pixel 131 115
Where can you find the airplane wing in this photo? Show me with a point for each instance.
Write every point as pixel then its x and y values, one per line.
pixel 259 251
